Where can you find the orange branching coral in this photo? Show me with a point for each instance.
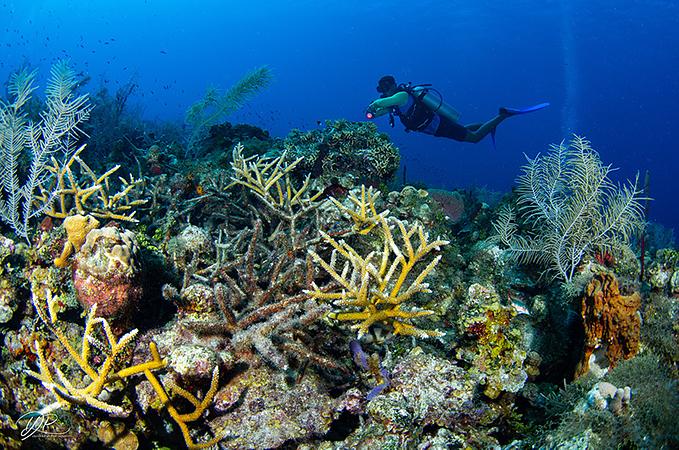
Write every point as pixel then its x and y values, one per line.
pixel 611 321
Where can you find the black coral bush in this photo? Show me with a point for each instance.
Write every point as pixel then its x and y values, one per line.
pixel 568 207
pixel 44 142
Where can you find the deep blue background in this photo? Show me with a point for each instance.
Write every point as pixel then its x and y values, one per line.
pixel 610 71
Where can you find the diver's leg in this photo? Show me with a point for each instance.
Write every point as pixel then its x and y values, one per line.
pixel 474 126
pixel 475 136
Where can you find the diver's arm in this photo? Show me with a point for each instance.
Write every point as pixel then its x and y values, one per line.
pixel 381 106
pixel 398 99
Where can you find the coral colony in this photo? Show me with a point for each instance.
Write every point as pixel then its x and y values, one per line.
pixel 235 290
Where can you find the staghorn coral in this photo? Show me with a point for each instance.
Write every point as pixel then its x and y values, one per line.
pixel 99 362
pixel 269 179
pixel 611 322
pixel 261 312
pixel 376 291
pixel 66 196
pixel 571 209
pixel 100 375
pixel 363 211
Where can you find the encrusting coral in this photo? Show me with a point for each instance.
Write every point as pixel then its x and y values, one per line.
pixel 492 345
pixel 611 322
pixel 375 288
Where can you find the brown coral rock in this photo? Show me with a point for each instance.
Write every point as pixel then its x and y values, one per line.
pixel 107 272
pixel 611 321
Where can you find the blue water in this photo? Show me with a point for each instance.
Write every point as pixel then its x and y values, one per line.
pixel 608 68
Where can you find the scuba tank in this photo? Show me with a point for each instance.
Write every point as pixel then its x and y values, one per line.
pixel 433 99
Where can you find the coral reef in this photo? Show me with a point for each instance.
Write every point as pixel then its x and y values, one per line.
pixel 343 148
pixel 257 314
pixel 269 416
pixel 426 392
pixel 633 407
pixel 279 295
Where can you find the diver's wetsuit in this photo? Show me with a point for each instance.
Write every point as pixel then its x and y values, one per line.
pixel 451 129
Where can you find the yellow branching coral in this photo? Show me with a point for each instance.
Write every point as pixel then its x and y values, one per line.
pixel 269 179
pixel 100 375
pixel 199 405
pixel 71 197
pixel 375 287
pixel 365 216
pixel 104 372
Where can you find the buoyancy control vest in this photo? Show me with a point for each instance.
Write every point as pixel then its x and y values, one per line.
pixel 420 112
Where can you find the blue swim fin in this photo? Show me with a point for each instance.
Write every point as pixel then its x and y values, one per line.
pixel 517 111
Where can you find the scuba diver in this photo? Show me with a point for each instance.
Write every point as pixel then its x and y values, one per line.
pixel 421 108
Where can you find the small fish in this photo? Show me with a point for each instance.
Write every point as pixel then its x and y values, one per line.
pixel 163 52
pixel 519 307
